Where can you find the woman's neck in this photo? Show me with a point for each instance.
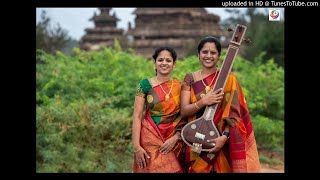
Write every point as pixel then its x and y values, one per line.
pixel 163 78
pixel 207 71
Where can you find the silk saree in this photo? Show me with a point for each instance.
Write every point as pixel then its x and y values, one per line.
pixel 240 153
pixel 161 121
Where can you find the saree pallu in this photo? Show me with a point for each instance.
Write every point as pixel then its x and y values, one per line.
pixel 161 120
pixel 239 154
pixel 151 140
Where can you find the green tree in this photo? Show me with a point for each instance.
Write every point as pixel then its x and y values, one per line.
pixel 267 36
pixel 48 38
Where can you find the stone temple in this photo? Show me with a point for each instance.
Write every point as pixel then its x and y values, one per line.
pixel 181 28
pixel 104 32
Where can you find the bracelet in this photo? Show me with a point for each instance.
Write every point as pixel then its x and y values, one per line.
pixel 197 106
pixel 226 134
pixel 137 150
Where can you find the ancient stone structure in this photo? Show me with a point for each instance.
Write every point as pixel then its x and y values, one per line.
pixel 104 32
pixel 181 28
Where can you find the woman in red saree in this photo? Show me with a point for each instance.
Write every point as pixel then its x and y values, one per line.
pixel 156 135
pixel 235 149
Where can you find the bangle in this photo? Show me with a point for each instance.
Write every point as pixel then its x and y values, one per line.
pixel 137 150
pixel 197 106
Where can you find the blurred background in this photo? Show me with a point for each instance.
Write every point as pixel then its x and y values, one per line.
pixel 89 62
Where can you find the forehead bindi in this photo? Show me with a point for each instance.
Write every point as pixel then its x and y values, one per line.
pixel 164 55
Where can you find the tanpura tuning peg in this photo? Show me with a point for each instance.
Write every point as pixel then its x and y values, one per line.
pixel 229 29
pixel 247 40
pixel 240 28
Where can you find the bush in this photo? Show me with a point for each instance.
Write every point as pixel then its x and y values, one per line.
pixel 269 133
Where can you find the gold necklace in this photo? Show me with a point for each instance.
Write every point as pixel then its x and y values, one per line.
pixel 208 87
pixel 167 96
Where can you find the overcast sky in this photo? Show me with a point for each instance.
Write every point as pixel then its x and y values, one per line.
pixel 75 20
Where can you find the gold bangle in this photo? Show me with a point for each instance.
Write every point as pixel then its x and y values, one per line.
pixel 197 105
pixel 138 149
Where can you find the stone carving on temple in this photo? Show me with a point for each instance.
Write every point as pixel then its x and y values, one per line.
pixel 181 28
pixel 103 33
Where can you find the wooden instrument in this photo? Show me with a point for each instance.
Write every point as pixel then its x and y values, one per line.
pixel 196 133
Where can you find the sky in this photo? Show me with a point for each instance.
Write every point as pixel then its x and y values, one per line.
pixel 75 20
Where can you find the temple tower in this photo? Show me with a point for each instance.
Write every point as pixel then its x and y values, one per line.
pixel 104 32
pixel 181 28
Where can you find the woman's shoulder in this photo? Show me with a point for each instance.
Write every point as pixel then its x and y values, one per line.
pixel 194 73
pixel 232 78
pixel 190 77
pixel 145 84
pixel 176 81
pixel 144 81
pixel 232 75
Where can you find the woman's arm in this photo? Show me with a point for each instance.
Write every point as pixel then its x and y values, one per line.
pixel 188 109
pixel 136 124
pixel 141 154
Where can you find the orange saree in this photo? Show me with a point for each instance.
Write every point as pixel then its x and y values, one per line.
pixel 240 153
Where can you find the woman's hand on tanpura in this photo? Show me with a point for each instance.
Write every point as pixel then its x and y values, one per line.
pixel 169 144
pixel 141 157
pixel 213 97
pixel 219 141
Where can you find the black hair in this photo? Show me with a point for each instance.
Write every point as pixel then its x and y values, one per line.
pixel 162 48
pixel 209 39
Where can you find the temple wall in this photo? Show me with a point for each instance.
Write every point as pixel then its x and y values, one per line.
pixel 180 28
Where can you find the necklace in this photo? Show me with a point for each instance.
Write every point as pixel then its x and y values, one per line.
pixel 207 87
pixel 167 96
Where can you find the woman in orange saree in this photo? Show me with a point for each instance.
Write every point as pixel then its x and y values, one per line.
pixel 156 135
pixel 235 149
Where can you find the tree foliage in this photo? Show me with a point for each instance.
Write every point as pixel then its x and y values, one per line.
pixel 49 38
pixel 267 36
